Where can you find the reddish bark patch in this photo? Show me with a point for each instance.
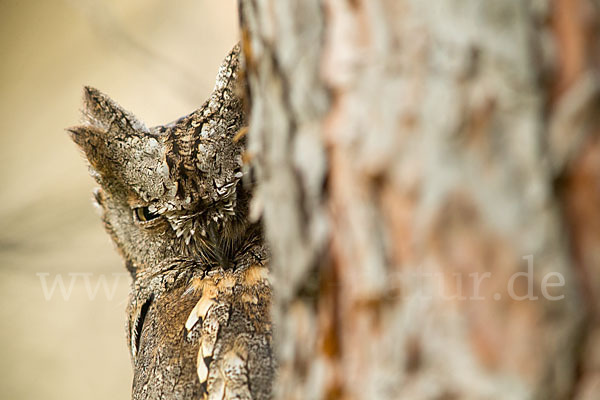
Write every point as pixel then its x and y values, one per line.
pixel 574 27
pixel 580 190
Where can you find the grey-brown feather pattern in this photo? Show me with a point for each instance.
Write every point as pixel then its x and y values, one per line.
pixel 175 202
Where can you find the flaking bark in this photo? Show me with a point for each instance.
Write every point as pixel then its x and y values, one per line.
pixel 405 149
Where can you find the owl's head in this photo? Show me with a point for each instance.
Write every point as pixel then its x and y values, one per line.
pixel 172 192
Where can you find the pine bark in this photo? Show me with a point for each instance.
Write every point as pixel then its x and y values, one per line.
pixel 412 157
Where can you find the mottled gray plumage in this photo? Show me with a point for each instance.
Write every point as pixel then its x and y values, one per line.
pixel 175 201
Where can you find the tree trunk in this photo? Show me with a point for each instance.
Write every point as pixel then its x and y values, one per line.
pixel 429 179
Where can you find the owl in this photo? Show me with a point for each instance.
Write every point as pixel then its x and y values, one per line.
pixel 175 200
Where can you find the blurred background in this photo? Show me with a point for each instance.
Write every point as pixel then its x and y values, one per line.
pixel 63 288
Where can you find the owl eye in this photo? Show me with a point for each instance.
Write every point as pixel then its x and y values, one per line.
pixel 143 214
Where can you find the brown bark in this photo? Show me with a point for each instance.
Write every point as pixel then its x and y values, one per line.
pixel 412 157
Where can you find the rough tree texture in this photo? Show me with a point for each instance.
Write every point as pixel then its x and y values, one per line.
pixel 402 146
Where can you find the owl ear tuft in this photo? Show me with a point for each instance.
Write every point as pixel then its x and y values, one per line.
pixel 94 143
pixel 82 133
pixel 125 155
pixel 103 112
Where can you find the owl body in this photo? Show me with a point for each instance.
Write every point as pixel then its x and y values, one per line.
pixel 175 202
